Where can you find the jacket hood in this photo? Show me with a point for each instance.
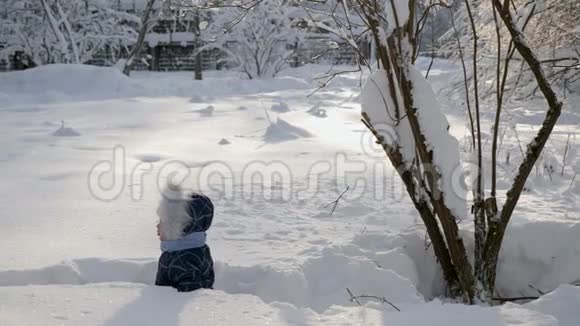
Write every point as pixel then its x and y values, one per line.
pixel 200 210
pixel 180 214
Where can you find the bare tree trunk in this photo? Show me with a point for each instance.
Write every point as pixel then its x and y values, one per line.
pixel 441 224
pixel 465 80
pixel 140 39
pixel 424 209
pixel 197 46
pixel 478 205
pixel 499 99
pixel 495 237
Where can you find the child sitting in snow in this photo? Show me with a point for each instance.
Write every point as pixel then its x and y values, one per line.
pixel 186 262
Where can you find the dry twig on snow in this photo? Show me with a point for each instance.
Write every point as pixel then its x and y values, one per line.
pixel 335 202
pixel 354 298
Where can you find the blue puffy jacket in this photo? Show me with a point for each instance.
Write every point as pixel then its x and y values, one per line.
pixel 190 269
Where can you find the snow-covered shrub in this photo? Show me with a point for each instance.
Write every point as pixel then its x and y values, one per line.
pixel 549 26
pixel 259 41
pixel 63 31
pixel 400 109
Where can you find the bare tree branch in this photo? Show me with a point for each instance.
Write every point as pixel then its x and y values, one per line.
pixel 494 239
pixel 354 298
pixel 334 203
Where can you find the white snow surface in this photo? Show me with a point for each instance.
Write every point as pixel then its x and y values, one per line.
pixel 77 254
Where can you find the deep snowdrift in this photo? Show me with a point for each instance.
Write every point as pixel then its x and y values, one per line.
pixel 392 266
pixel 120 292
pixel 70 82
pixel 75 82
pixel 135 304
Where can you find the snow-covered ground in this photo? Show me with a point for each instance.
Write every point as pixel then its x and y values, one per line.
pixel 84 151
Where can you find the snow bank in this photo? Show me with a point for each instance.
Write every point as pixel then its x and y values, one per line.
pixel 317 284
pixel 320 283
pixel 405 254
pixel 135 304
pixel 69 82
pixel 562 304
pixel 394 266
pixel 84 271
pixel 438 313
pixel 374 263
pixel 543 254
pixel 214 85
pixel 57 81
pixel 121 304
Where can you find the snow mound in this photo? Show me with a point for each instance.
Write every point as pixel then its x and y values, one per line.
pixel 317 111
pixel 282 130
pixel 438 313
pixel 310 285
pixel 376 263
pixel 84 271
pixel 320 283
pixel 528 256
pixel 78 82
pixel 150 157
pixel 121 304
pixel 563 304
pixel 206 112
pixel 281 107
pixel 69 82
pixel 66 132
pixel 137 304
